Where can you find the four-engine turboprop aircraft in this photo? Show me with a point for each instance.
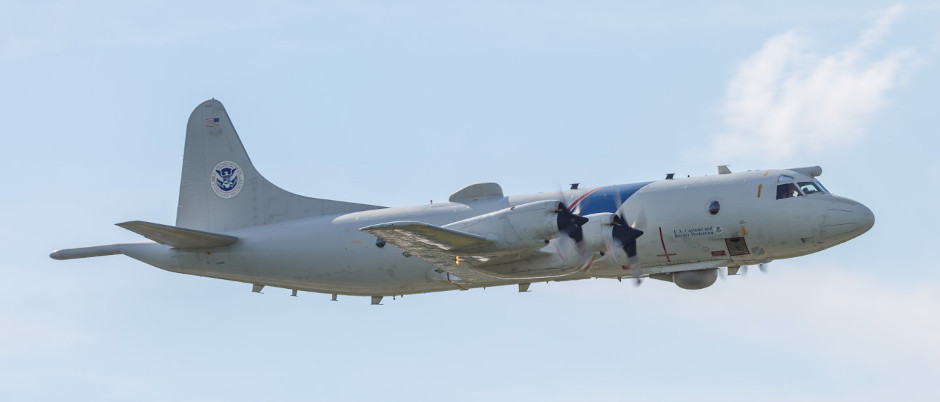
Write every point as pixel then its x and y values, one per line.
pixel 234 224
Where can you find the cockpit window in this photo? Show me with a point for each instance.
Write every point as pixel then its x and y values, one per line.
pixel 788 190
pixel 809 188
pixel 783 178
pixel 821 187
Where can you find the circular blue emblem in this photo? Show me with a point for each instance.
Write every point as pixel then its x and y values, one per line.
pixel 226 179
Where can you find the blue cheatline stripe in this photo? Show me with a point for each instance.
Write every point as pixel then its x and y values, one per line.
pixel 607 199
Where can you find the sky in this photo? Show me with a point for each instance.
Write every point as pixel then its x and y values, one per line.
pixel 401 103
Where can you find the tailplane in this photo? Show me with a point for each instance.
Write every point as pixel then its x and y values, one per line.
pixel 220 189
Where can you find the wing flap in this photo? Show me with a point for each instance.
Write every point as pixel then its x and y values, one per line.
pixel 437 245
pixel 178 237
pixel 424 236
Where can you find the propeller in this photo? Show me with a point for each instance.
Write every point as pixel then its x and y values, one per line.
pixel 570 245
pixel 626 234
pixel 569 224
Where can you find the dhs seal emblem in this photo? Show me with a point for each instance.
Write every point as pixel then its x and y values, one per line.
pixel 227 179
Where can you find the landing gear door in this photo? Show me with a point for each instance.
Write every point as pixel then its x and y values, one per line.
pixel 737 247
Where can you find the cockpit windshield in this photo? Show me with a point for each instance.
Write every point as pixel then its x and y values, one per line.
pixel 813 188
pixel 788 189
pixel 809 188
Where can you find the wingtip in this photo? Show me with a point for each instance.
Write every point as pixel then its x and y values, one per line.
pixel 126 225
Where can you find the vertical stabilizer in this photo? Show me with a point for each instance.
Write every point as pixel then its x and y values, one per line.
pixel 220 189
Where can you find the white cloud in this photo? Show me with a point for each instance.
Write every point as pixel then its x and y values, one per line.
pixel 788 100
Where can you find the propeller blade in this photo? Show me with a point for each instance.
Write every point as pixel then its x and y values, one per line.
pixel 762 267
pixel 569 224
pixel 626 236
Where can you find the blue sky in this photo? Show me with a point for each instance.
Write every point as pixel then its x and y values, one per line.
pixel 400 104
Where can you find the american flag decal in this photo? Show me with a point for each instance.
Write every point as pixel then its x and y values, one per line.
pixel 212 122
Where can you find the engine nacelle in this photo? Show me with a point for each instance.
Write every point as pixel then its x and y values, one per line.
pixel 598 231
pixel 698 279
pixel 525 226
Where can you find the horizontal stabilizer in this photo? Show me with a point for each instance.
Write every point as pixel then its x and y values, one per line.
pixel 178 237
pixel 410 235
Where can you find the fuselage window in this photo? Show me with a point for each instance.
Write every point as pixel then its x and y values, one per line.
pixel 714 207
pixel 809 188
pixel 788 190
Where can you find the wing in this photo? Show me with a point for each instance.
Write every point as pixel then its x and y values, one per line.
pixel 438 246
pixel 467 256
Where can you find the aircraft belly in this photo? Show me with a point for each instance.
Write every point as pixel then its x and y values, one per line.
pixel 326 272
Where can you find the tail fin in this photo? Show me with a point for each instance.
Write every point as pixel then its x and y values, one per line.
pixel 220 189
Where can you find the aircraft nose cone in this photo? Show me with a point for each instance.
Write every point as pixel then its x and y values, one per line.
pixel 866 219
pixel 845 220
